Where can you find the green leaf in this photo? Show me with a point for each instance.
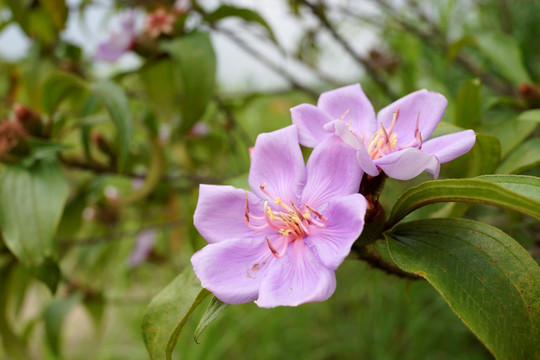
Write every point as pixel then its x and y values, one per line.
pixel 511 133
pixel 214 309
pixel 456 46
pixel 41 149
pixel 485 155
pixel 226 11
pixel 57 11
pixel 114 100
pixel 485 276
pixel 168 311
pixel 54 316
pixel 530 115
pixel 514 192
pixel 194 59
pixel 468 110
pixel 521 184
pixel 504 52
pixel 30 210
pixel 58 87
pixel 525 157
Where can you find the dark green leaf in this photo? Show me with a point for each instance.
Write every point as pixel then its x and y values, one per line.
pixel 515 192
pixel 116 103
pixel 31 207
pixel 485 155
pixel 57 87
pixel 226 11
pixel 54 316
pixel 194 59
pixel 525 157
pixel 168 311
pixel 468 111
pixel 214 309
pixel 58 12
pixel 504 52
pixel 487 278
pixel 41 149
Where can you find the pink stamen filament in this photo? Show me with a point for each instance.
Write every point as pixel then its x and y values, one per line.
pixel 290 222
pixel 384 141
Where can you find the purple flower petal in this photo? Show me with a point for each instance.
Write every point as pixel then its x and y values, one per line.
pixel 408 163
pixel 345 224
pixel 310 121
pixel 277 162
pixel 348 136
pixel 449 147
pixel 430 106
pixel 233 270
pixel 144 245
pixel 220 213
pixel 350 104
pixel 332 171
pixel 297 278
pixel 118 42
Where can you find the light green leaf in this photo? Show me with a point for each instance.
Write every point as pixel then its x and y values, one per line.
pixel 214 309
pixel 54 316
pixel 511 133
pixel 528 186
pixel 504 52
pixel 194 59
pixel 30 210
pixel 168 311
pixel 485 276
pixel 514 192
pixel 57 87
pixel 114 100
pixel 226 11
pixel 468 109
pixel 525 157
pixel 530 115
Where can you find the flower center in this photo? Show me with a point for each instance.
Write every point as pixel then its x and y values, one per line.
pixel 384 141
pixel 288 220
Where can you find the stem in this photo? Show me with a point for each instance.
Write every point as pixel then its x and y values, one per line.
pixel 376 261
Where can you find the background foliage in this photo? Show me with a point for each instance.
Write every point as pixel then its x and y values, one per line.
pixel 100 169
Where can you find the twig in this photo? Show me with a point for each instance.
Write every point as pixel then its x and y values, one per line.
pixel 117 236
pixel 280 70
pixel 436 39
pixel 99 168
pixel 370 71
pixel 376 261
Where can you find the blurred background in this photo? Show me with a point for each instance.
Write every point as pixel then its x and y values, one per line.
pixel 127 106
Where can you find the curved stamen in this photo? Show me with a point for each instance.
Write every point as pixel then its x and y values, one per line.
pixel 323 223
pixel 277 254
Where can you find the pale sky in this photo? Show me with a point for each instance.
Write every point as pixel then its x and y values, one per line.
pixel 236 69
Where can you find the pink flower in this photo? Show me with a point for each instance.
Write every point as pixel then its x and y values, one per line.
pixel 281 243
pixel 118 42
pixel 393 141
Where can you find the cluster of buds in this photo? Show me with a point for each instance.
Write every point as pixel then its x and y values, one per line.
pixel 13 131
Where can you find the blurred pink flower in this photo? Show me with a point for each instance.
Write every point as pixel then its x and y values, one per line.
pixel 144 245
pixel 159 22
pixel 120 42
